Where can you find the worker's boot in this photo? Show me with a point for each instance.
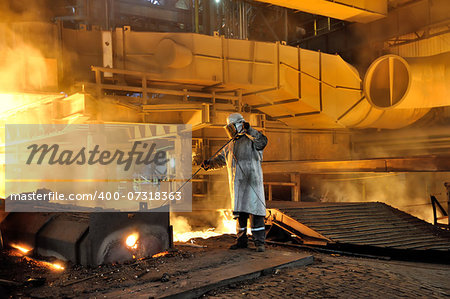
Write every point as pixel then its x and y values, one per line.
pixel 241 229
pixel 238 246
pixel 259 246
pixel 242 242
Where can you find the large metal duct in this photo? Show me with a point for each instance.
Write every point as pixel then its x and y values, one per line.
pixel 407 83
pixel 363 115
pixel 170 54
pixel 302 88
pixel 399 91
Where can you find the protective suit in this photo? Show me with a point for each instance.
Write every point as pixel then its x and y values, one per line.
pixel 243 157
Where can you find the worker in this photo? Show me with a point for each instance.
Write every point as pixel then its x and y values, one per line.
pixel 243 156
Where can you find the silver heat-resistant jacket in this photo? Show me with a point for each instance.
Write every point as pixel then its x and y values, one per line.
pixel 243 159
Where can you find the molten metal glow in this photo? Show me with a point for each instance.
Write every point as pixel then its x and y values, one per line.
pixel 39 263
pixel 132 240
pixel 53 266
pixel 57 266
pixel 160 254
pixel 182 231
pixel 20 248
pixel 228 224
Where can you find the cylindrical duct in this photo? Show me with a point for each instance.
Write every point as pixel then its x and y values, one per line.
pixel 365 116
pixel 405 83
pixel 172 55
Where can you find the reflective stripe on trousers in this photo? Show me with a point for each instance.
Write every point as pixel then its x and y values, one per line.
pixel 258 228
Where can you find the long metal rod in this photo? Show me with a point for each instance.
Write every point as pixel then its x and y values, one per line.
pixel 200 168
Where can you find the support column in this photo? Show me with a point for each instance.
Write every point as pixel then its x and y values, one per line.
pixel 295 194
pixel 270 192
pixel 98 83
pixel 145 100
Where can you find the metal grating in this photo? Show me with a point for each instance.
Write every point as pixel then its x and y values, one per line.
pixel 369 224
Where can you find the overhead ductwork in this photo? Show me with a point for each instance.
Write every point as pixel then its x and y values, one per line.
pixel 302 88
pixel 407 83
pixel 170 54
pixel 400 91
pixel 362 11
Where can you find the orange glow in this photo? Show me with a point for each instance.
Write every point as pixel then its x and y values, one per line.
pixel 22 249
pixel 182 231
pixel 57 266
pixel 228 224
pixel 131 240
pixel 11 103
pixel 160 254
pixel 53 266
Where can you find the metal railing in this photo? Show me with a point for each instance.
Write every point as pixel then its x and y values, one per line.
pixel 436 205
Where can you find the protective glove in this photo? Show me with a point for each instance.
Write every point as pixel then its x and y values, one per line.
pixel 206 165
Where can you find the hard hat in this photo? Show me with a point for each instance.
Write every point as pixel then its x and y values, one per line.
pixel 235 118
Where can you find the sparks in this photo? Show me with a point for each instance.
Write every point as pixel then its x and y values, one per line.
pixel 160 254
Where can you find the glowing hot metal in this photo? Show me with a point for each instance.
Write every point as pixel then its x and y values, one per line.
pixel 132 240
pixel 20 248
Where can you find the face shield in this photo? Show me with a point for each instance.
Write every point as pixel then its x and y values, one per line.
pixel 231 130
pixel 234 125
pixel 234 130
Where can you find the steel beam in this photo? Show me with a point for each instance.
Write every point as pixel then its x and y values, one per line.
pixel 144 77
pixel 301 228
pixel 348 10
pixel 409 18
pixel 411 164
pixel 152 12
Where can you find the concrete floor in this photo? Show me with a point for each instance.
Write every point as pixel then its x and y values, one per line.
pixel 334 276
pixel 330 276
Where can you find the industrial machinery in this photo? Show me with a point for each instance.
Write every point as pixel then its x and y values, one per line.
pixel 89 238
pixel 369 110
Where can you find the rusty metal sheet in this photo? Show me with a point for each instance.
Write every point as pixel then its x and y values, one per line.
pixel 364 224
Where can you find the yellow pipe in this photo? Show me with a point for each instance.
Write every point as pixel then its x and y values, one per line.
pixel 394 82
